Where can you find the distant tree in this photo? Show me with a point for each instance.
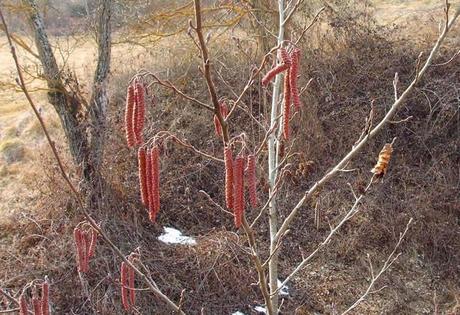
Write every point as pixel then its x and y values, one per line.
pixel 83 121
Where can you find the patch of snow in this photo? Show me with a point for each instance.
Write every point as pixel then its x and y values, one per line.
pixel 284 291
pixel 260 309
pixel 173 236
pixel 238 313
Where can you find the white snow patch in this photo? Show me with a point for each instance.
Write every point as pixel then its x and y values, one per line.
pixel 238 313
pixel 260 309
pixel 284 291
pixel 173 236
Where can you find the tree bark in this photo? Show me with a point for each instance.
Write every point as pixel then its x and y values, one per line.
pixel 85 132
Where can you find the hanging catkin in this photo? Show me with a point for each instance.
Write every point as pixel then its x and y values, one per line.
pixel 92 244
pixel 141 158
pixel 252 180
pixel 139 113
pixel 286 104
pixel 284 56
pixel 129 114
pixel 124 284
pixel 294 71
pixel 238 201
pixel 155 187
pixel 132 291
pixel 23 305
pixel 381 167
pixel 80 249
pixel 273 72
pixel 45 297
pixel 148 179
pixel 37 304
pixel 228 159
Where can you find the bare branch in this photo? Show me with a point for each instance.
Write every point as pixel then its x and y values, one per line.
pixel 357 148
pixel 388 262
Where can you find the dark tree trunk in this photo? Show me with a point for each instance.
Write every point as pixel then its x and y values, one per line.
pixel 85 132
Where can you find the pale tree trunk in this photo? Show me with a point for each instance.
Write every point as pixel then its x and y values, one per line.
pixel 273 149
pixel 85 136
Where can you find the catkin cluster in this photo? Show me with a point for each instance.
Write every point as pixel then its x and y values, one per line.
pixel 235 177
pixel 128 292
pixel 224 112
pixel 40 305
pixel 149 179
pixel 85 243
pixel 135 113
pixel 290 63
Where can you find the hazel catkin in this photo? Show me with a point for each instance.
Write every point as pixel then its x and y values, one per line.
pixel 155 186
pixel 129 114
pixel 139 113
pixel 252 180
pixel 142 163
pixel 294 71
pixel 124 284
pixel 286 105
pixel 228 159
pixel 45 298
pixel 238 201
pixel 273 72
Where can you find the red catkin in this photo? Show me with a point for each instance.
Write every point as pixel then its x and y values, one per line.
pixel 45 298
pixel 238 202
pixel 228 159
pixel 142 163
pixel 148 172
pixel 286 104
pixel 124 283
pixel 22 305
pixel 132 291
pixel 252 180
pixel 294 71
pixel 139 113
pixel 284 56
pixel 80 248
pixel 92 244
pixel 273 72
pixel 37 304
pixel 129 114
pixel 87 243
pixel 155 184
pixel 224 112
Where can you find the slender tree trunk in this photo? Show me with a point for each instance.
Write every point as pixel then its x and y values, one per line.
pixel 65 104
pixel 273 148
pixel 99 98
pixel 85 133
